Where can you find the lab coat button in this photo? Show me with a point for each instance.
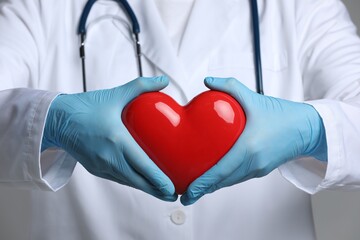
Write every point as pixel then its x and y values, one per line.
pixel 178 217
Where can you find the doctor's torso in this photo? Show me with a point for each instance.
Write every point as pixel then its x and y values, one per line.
pixel 217 41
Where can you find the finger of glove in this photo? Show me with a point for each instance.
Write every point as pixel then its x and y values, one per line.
pixel 132 89
pixel 142 184
pixel 243 173
pixel 224 168
pixel 234 88
pixel 186 200
pixel 240 173
pixel 139 160
pixel 236 177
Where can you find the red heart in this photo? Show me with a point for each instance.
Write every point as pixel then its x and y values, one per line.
pixel 184 142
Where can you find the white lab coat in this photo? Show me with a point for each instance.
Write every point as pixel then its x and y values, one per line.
pixel 310 53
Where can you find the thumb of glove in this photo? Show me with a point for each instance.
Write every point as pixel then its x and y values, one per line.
pixel 233 87
pixel 132 89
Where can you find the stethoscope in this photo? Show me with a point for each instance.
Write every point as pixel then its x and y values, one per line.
pixel 136 31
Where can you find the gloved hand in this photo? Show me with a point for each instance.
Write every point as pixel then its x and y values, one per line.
pixel 276 131
pixel 88 126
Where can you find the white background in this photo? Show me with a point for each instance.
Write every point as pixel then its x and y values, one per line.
pixel 337 214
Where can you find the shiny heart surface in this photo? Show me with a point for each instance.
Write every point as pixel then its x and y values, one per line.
pixel 185 142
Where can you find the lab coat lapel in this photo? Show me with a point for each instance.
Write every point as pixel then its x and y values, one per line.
pixel 156 44
pixel 207 25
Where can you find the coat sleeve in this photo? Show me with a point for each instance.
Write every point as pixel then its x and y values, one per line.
pixel 23 108
pixel 329 53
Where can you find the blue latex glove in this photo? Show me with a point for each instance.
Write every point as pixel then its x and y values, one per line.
pixel 276 131
pixel 88 126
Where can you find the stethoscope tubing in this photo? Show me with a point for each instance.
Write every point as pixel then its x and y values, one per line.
pixel 136 32
pixel 257 47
